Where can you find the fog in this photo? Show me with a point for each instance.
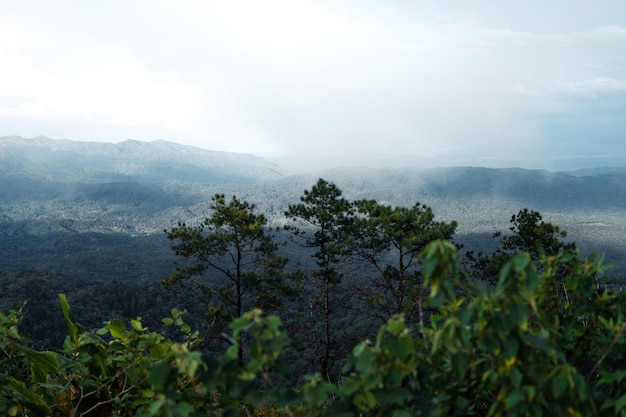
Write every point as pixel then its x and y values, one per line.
pixel 328 83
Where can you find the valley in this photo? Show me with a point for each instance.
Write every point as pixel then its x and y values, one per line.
pixel 96 232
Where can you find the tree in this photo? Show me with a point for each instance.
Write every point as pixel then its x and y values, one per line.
pixel 529 234
pixel 532 235
pixel 322 222
pixel 492 350
pixel 232 242
pixel 390 240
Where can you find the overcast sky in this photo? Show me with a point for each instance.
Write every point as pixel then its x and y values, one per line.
pixel 450 82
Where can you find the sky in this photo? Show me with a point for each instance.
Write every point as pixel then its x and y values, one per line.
pixel 483 82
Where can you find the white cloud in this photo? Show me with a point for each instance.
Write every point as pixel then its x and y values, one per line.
pixel 593 88
pixel 110 90
pixel 304 76
pixel 612 33
pixel 609 33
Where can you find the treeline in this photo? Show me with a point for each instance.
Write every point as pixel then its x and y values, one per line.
pixel 365 262
pixel 525 330
pixel 92 301
pixel 365 268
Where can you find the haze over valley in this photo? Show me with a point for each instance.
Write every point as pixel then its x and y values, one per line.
pixel 66 201
pixel 87 219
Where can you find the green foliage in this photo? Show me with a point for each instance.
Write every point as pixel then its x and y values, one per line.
pixel 542 338
pixel 528 233
pixel 13 392
pixel 390 239
pixel 532 235
pixel 544 341
pixel 232 242
pixel 323 220
pixel 504 350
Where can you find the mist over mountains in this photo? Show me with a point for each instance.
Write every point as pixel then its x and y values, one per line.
pixel 98 210
pixel 45 159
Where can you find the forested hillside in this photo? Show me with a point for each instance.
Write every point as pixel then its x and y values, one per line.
pixel 59 161
pixel 54 215
pixel 529 330
pixel 81 216
pixel 336 258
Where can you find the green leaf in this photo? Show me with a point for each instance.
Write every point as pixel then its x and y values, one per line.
pixel 559 385
pixel 516 378
pixel 518 313
pixel 155 407
pixel 521 261
pixel 358 349
pixel 396 326
pixel 611 377
pixel 459 364
pixel 137 324
pixel 46 361
pixel 364 401
pixel 72 327
pixel 117 329
pixel 102 331
pixel 184 409
pixel 504 279
pixel 273 322
pixel 530 391
pixel 400 348
pixel 618 404
pixel 28 398
pixel 185 328
pixel 158 350
pixel 364 361
pixel 316 391
pixel 395 396
pixel 462 403
pixel 428 266
pixel 513 398
pixel 510 348
pixel 159 374
pixel 531 283
pixel 240 324
pixel 437 298
pixel 232 352
pixel 39 375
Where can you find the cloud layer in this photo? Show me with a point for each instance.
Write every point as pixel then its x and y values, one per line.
pixel 321 79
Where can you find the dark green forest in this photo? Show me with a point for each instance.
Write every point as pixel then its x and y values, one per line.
pixel 351 306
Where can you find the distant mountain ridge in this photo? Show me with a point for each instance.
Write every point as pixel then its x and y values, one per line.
pixel 61 160
pixel 62 191
pixel 601 189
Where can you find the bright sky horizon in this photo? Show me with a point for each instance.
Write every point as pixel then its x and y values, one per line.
pixel 448 81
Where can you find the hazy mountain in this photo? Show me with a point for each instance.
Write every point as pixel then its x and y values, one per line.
pixel 46 159
pixel 589 205
pixel 538 188
pixel 64 204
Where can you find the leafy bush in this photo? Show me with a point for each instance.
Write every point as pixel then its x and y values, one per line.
pixel 545 340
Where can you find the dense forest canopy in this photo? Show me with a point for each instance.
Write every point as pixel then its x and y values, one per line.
pixel 527 329
pixel 92 213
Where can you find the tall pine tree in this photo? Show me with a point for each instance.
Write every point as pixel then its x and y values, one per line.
pixel 232 258
pixel 322 221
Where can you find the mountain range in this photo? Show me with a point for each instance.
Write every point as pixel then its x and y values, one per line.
pixel 82 207
pixel 45 159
